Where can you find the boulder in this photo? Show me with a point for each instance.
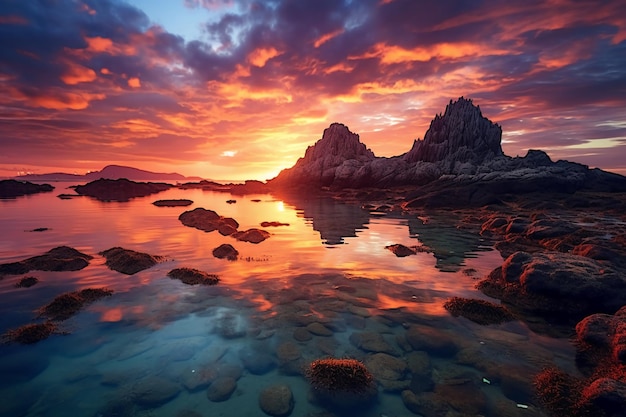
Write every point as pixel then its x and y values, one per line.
pixel 372 342
pixel 557 285
pixel 153 391
pixel 192 276
pixel 208 221
pixel 276 400
pixel 128 261
pixel 62 258
pixel 226 251
pixel 251 235
pixel 221 389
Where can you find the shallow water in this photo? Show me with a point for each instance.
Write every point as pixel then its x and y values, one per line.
pixel 150 348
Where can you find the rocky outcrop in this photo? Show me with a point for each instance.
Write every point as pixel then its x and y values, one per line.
pixel 128 261
pixel 13 188
pixel 62 258
pixel 338 153
pixel 560 286
pixel 459 163
pixel 460 136
pixel 119 190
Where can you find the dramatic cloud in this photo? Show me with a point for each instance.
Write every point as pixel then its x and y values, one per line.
pixel 87 83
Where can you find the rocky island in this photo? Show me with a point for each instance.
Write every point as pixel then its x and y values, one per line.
pixel 559 226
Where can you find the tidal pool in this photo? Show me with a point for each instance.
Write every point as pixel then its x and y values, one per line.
pixel 322 286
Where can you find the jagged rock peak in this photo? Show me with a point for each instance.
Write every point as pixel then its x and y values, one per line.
pixel 461 134
pixel 338 141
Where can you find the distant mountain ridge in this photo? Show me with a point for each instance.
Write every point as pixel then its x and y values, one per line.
pixel 109 172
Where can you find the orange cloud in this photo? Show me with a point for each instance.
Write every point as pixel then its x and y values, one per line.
pixel 326 37
pixel 76 74
pixel 260 56
pixel 391 54
pixel 99 44
pixel 134 82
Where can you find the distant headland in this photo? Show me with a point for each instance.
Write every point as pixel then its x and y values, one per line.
pixel 109 172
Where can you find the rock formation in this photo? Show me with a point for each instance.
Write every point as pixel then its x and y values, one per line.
pixel 460 136
pixel 459 162
pixel 337 152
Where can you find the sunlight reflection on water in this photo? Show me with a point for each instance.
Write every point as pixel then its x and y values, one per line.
pixel 312 285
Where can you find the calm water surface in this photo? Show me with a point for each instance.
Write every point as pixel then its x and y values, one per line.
pixel 154 347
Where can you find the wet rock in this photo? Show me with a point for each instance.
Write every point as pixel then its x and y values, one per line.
pixel 434 341
pixel 226 251
pixel 208 221
pixel 400 250
pixel 26 282
pixel 251 235
pixel 556 285
pixel 128 261
pixel 302 335
pixel 605 396
pixel 602 338
pixel 319 329
pixel 273 224
pixel 173 203
pixel 386 367
pixel 66 305
pixel 478 311
pixel 62 258
pixel 221 389
pixel 198 379
pixel 426 404
pixel 257 363
pixel 154 391
pixel 30 333
pixel 287 352
pixel 276 400
pixel 14 188
pixel 192 276
pixel 372 342
pixel 465 397
pixel 119 189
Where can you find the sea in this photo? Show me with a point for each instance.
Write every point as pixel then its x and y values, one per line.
pixel 323 285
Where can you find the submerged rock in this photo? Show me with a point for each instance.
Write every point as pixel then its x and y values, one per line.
pixel 66 305
pixel 221 389
pixel 154 391
pixel 62 258
pixel 128 261
pixel 276 400
pixel 192 276
pixel 478 311
pixel 30 333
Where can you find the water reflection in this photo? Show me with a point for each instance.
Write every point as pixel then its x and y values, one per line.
pixel 156 345
pixel 334 221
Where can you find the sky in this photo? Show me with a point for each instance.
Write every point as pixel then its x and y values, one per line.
pixel 225 89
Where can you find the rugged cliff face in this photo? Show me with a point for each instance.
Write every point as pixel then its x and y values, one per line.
pixel 322 161
pixel 460 135
pixel 460 157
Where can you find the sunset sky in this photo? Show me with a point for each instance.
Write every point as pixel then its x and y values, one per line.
pixel 226 89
